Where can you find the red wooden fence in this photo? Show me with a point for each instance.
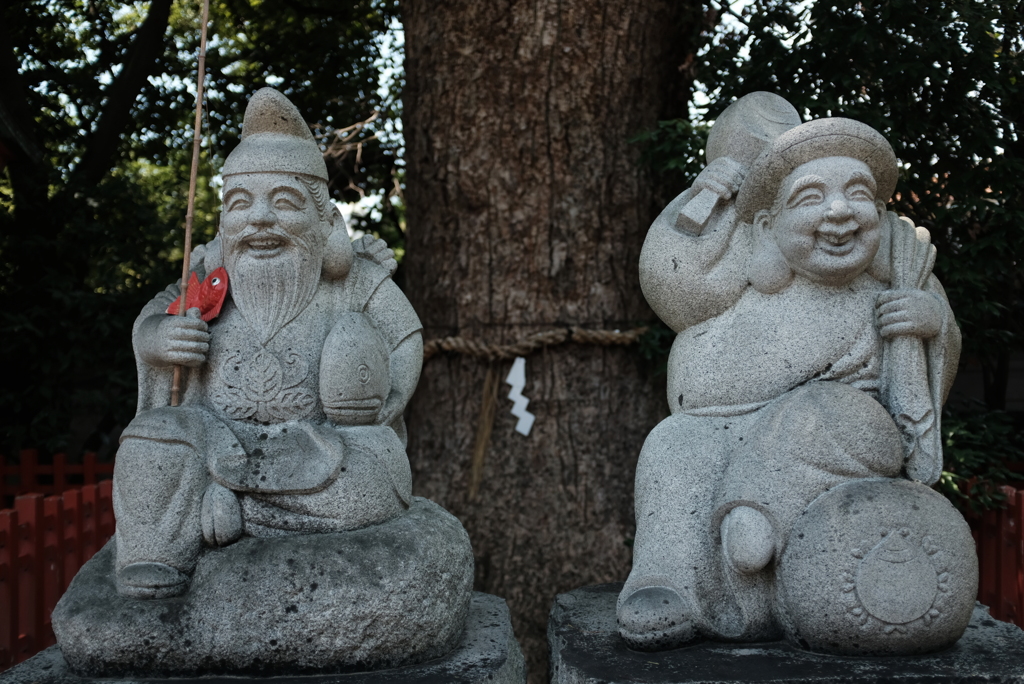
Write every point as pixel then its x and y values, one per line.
pixel 43 543
pixel 1000 541
pixel 30 474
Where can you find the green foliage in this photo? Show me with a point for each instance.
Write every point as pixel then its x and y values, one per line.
pixel 655 345
pixel 99 105
pixel 976 446
pixel 675 150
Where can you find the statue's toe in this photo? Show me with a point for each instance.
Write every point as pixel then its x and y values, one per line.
pixel 748 540
pixel 221 516
pixel 150 581
pixel 655 619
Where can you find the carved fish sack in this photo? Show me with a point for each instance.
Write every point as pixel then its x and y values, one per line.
pixel 354 372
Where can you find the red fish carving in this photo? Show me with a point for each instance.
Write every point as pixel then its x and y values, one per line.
pixel 208 295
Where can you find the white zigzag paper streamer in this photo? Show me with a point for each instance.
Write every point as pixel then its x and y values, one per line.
pixel 517 378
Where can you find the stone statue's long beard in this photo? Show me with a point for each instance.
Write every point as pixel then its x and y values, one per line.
pixel 271 292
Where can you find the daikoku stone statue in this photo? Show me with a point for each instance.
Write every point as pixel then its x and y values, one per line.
pixel 787 495
pixel 267 524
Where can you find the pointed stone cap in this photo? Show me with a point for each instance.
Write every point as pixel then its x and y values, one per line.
pixel 275 139
pixel 830 137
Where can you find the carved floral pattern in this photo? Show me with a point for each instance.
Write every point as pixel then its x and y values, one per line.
pixel 264 388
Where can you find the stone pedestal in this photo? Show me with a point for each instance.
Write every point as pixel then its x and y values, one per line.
pixel 487 652
pixel 586 649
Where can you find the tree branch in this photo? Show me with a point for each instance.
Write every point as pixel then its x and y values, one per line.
pixel 723 5
pixel 16 123
pixel 102 143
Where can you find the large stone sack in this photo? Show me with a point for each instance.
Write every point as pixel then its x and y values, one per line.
pixel 878 567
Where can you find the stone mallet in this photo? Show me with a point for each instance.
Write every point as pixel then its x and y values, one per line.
pixel 740 133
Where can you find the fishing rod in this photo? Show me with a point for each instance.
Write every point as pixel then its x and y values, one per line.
pixel 193 175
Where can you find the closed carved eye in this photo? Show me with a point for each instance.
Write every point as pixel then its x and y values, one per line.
pixel 807 197
pixel 861 192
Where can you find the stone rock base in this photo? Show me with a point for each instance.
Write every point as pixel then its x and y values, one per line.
pixel 586 649
pixel 487 652
pixel 382 596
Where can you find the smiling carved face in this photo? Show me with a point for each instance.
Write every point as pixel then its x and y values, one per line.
pixel 827 226
pixel 263 212
pixel 273 247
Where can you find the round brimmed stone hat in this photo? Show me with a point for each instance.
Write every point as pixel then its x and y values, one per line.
pixel 275 139
pixel 832 137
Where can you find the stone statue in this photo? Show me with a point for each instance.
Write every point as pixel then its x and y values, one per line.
pixel 271 512
pixel 785 495
pixel 315 353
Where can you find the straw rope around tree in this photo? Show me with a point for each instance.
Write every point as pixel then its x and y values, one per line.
pixel 530 343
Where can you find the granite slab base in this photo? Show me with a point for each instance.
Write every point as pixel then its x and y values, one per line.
pixel 586 649
pixel 487 652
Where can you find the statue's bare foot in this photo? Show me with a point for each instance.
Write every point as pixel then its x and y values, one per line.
pixel 748 540
pixel 150 581
pixel 655 619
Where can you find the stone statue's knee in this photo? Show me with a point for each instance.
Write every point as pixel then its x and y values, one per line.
pixel 159 482
pixel 159 457
pixel 683 442
pixel 148 474
pixel 829 423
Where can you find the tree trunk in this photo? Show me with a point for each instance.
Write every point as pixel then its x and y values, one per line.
pixel 527 208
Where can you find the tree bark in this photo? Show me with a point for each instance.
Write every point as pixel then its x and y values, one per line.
pixel 527 208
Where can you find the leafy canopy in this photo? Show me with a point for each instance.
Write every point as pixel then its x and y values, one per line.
pixel 96 110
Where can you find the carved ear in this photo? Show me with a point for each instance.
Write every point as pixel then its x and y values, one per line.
pixel 214 257
pixel 880 268
pixel 768 271
pixel 338 251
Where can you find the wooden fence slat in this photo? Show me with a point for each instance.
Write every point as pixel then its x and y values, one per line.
pixel 27 468
pixel 89 541
pixel 1008 568
pixel 53 563
pixel 30 595
pixel 8 587
pixel 105 514
pixel 5 489
pixel 60 473
pixel 988 560
pixel 38 486
pixel 72 504
pixel 89 468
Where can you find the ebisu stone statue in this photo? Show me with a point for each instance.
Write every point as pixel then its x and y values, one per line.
pixel 787 494
pixel 267 524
